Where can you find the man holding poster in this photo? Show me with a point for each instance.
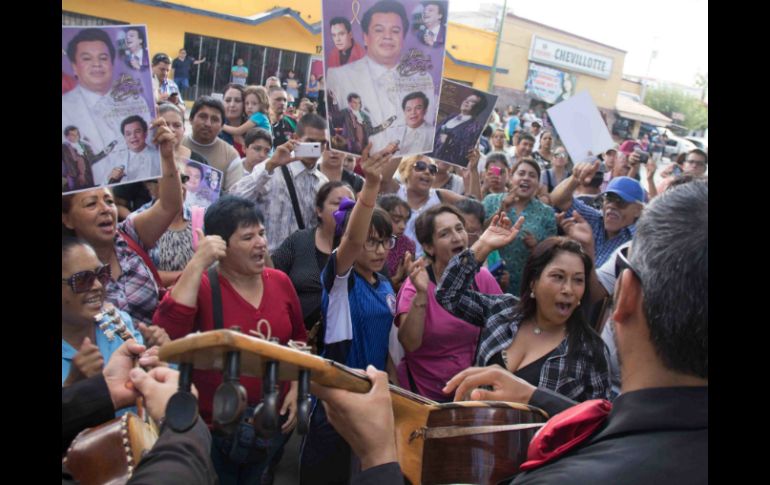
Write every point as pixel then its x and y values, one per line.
pixel 98 104
pixel 387 73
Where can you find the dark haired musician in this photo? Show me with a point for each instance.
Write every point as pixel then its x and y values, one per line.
pixel 656 431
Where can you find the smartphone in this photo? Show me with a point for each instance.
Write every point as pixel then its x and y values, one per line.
pixel 497 269
pixel 495 171
pixel 307 150
pixel 643 156
pixel 676 171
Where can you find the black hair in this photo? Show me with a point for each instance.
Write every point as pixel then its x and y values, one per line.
pixel 425 224
pixel 380 222
pixel 529 161
pixel 133 119
pixel 415 95
pixel 70 242
pixel 140 32
pixel 325 190
pixel 160 57
pixel 526 136
pixel 472 207
pixel 441 9
pixel 480 106
pixel 385 6
pixel 228 213
pixel 390 201
pixel 69 128
pixel 255 134
pixel 209 101
pixel 340 20
pixel 498 157
pixel 310 120
pixel 89 35
pixel 353 96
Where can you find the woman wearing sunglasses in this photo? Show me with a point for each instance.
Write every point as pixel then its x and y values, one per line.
pixel 417 174
pixel 544 337
pixel 521 200
pixel 92 215
pixel 358 305
pixel 84 346
pixel 558 171
pixel 438 345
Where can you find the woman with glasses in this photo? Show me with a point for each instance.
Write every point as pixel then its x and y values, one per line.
pixel 85 347
pixel 399 212
pixel 558 171
pixel 521 200
pixel 417 174
pixel 438 345
pixel 305 253
pixel 92 215
pixel 358 306
pixel 543 337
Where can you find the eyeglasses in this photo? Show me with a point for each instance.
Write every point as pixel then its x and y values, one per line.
pixel 609 197
pixel 621 263
pixel 421 166
pixel 83 281
pixel 560 155
pixel 700 163
pixel 372 244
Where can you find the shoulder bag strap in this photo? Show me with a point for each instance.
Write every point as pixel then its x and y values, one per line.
pixel 216 297
pixel 137 248
pixel 293 194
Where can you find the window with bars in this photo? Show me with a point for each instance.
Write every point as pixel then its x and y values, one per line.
pixel 72 18
pixel 221 55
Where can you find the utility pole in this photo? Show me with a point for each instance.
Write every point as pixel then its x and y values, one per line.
pixel 497 46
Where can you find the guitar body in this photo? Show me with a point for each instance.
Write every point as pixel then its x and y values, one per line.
pixel 121 444
pixel 423 458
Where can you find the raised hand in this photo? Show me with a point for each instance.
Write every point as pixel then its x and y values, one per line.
pixel 584 172
pixel 473 158
pixel 164 138
pixel 505 386
pixel 577 228
pixel 88 362
pixel 153 334
pixel 210 249
pixel 282 156
pixel 122 392
pixel 417 273
pixel 373 165
pixel 500 231
pixel 529 239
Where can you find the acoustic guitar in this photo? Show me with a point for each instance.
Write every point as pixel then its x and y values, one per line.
pixel 464 442
pixel 109 453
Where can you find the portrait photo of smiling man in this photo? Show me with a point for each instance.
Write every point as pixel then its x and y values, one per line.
pixel 395 65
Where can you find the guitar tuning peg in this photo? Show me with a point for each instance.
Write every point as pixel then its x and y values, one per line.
pixel 110 334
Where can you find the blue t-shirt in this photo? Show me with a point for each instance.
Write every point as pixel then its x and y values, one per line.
pixel 106 348
pixel 262 121
pixel 513 125
pixel 357 317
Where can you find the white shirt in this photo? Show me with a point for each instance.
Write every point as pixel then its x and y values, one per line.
pixel 457 120
pixel 412 141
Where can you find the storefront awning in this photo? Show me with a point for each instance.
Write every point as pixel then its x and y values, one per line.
pixel 630 109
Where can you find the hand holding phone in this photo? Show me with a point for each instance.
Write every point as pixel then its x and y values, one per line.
pixel 307 150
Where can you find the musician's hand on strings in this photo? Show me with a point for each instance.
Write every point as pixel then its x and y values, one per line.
pixel 290 406
pixel 157 387
pixel 365 421
pixel 505 386
pixel 88 362
pixel 153 334
pixel 117 369
pixel 150 359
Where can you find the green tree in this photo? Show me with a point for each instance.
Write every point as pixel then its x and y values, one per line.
pixel 668 100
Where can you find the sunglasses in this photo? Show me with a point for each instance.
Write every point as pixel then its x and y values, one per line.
pixel 421 166
pixel 83 281
pixel 609 197
pixel 621 263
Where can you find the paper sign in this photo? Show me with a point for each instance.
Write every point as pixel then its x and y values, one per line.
pixel 581 127
pixel 204 184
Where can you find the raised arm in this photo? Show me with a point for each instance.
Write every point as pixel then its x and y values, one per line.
pixel 254 185
pixel 561 197
pixel 357 229
pixel 412 324
pixel 454 291
pixel 152 223
pixel 210 249
pixel 388 184
pixel 473 166
pixel 239 130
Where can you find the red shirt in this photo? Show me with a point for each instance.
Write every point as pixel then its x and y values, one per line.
pixel 279 306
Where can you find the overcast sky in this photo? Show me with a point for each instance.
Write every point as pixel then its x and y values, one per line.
pixel 677 29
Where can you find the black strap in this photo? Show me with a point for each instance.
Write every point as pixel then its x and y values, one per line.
pixel 412 385
pixel 293 194
pixel 216 297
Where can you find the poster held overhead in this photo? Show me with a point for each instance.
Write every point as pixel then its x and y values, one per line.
pixel 382 59
pixel 107 108
pixel 581 127
pixel 462 116
pixel 203 184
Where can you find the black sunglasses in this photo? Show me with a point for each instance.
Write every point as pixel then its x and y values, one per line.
pixel 421 166
pixel 621 263
pixel 610 197
pixel 83 281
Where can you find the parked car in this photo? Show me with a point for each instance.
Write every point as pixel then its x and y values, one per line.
pixel 701 143
pixel 675 144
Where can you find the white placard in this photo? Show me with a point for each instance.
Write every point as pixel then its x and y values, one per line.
pixel 581 127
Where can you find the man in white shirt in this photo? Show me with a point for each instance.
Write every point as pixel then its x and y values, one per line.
pixel 137 161
pixel 432 33
pixel 415 136
pixel 96 107
pixel 378 78
pixel 268 187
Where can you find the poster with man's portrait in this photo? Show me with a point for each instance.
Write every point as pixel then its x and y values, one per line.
pixel 384 60
pixel 462 115
pixel 107 108
pixel 202 184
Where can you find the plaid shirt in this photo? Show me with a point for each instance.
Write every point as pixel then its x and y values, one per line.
pixel 584 376
pixel 604 247
pixel 135 291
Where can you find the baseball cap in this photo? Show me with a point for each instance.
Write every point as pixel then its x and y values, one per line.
pixel 627 188
pixel 538 123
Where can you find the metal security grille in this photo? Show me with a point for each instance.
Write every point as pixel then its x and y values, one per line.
pixel 221 54
pixel 71 18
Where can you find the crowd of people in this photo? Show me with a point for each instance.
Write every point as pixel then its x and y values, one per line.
pixel 484 282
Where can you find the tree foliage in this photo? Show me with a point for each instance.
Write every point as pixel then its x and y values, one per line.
pixel 668 100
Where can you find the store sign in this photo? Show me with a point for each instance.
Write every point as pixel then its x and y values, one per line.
pixel 561 55
pixel 549 84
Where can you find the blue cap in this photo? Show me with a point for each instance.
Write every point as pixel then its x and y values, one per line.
pixel 627 188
